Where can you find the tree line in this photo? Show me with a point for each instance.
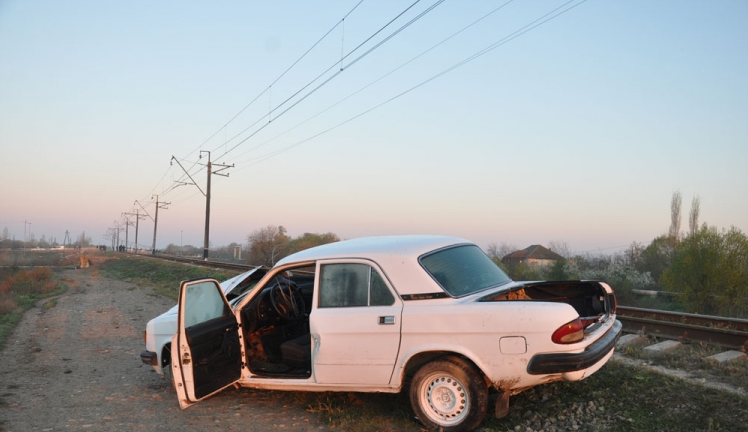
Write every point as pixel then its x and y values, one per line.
pixel 8 241
pixel 706 266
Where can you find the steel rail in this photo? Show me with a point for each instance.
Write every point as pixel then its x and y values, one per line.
pixel 202 263
pixel 726 332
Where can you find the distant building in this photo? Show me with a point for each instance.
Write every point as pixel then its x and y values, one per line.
pixel 535 255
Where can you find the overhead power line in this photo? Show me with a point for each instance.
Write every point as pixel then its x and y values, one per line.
pixel 380 78
pixel 380 43
pixel 517 33
pixel 314 45
pixel 360 45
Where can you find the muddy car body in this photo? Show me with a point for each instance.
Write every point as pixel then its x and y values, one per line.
pixel 362 315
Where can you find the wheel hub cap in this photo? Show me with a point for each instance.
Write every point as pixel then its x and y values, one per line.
pixel 447 399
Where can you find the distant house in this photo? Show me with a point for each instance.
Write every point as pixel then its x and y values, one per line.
pixel 535 255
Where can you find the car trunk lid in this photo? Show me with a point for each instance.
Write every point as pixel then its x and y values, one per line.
pixel 594 301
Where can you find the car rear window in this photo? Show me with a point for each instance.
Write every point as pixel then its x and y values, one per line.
pixel 463 270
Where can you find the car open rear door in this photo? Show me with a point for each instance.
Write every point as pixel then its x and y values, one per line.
pixel 208 354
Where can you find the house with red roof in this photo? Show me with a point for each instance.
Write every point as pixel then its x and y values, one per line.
pixel 535 255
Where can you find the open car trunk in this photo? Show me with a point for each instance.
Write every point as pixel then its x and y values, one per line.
pixel 589 298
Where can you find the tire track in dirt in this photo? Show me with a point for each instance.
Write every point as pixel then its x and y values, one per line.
pixel 76 366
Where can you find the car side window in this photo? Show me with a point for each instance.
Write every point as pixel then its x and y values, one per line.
pixel 348 285
pixel 380 295
pixel 203 302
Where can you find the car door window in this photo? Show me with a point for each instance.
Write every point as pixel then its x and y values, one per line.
pixel 348 285
pixel 203 302
pixel 380 295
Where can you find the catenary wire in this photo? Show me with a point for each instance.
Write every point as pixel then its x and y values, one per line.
pixel 532 25
pixel 378 79
pixel 265 90
pixel 332 66
pixel 403 27
pixel 278 78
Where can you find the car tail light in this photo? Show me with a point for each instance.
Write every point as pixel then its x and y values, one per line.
pixel 145 337
pixel 569 333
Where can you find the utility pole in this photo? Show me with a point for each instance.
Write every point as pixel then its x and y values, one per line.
pixel 137 220
pixel 118 229
pixel 155 222
pixel 127 229
pixel 25 241
pixel 139 216
pixel 221 167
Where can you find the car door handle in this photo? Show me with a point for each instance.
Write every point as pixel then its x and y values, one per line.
pixel 386 320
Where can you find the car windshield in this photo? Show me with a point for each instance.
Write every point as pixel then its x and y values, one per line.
pixel 463 270
pixel 235 301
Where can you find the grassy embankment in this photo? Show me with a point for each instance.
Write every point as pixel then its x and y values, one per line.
pixel 20 290
pixel 163 276
pixel 693 358
pixel 625 398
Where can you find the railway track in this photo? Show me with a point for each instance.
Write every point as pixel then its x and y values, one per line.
pixel 685 327
pixel 202 263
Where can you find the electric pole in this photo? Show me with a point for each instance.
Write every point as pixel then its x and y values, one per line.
pixel 221 167
pixel 155 222
pixel 127 228
pixel 25 222
pixel 139 216
pixel 118 229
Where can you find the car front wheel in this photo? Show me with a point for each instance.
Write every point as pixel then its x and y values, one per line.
pixel 449 394
pixel 166 368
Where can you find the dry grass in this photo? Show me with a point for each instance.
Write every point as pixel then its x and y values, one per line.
pixel 19 290
pixel 28 282
pixel 7 305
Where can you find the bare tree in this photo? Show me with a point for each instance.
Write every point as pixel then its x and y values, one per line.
pixel 83 241
pixel 693 217
pixel 265 243
pixel 498 251
pixel 675 205
pixel 560 247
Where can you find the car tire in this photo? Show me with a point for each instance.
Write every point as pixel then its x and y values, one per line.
pixel 166 368
pixel 448 394
pixel 168 374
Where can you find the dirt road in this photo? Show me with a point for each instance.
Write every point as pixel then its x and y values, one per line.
pixel 76 366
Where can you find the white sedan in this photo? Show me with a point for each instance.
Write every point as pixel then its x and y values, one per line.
pixel 362 315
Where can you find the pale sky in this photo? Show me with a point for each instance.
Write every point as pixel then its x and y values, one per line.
pixel 579 130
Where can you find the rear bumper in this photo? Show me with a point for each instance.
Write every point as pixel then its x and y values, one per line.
pixel 150 358
pixel 541 364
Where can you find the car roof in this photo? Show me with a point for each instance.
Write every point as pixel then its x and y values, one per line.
pixel 397 256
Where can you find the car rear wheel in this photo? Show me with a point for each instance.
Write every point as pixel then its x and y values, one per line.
pixel 449 394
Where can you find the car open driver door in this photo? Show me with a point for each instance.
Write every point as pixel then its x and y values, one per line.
pixel 208 354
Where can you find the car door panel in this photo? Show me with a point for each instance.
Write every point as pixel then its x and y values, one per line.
pixel 361 351
pixel 216 354
pixel 208 354
pixel 354 344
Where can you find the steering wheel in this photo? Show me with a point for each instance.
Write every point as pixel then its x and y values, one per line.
pixel 286 299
